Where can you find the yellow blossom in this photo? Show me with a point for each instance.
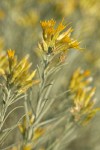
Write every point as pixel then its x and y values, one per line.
pixel 27 147
pixel 11 54
pixel 83 99
pixel 80 79
pixel 37 132
pixel 54 41
pixel 23 126
pixel 47 24
pixel 18 74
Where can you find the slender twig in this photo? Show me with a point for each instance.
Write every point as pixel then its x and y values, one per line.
pixel 11 112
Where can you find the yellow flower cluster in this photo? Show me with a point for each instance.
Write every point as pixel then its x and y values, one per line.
pixel 80 80
pixel 27 147
pixel 38 132
pixel 54 41
pixel 83 96
pixel 17 74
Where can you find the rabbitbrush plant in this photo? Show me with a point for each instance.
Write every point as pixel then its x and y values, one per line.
pixel 40 128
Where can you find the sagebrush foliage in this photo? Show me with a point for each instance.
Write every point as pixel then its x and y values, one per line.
pixel 39 128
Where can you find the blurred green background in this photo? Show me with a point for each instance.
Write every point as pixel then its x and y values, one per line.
pixel 20 30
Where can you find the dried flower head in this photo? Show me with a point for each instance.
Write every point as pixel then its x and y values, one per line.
pixel 53 40
pixel 80 80
pixel 18 75
pixel 82 97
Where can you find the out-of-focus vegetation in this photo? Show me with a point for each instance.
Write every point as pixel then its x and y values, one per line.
pixel 20 30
